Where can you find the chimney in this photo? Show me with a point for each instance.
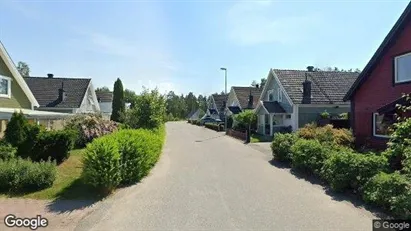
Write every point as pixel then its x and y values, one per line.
pixel 306 90
pixel 310 68
pixel 250 100
pixel 50 76
pixel 62 93
pixel 257 86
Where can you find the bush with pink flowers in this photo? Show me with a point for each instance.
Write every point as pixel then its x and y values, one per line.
pixel 89 127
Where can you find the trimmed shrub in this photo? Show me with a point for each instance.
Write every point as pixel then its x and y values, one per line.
pixel 25 149
pixel 326 134
pixel 139 150
pixel 215 127
pixel 19 175
pixel 54 145
pixel 7 151
pixel 15 133
pixel 308 156
pixel 101 164
pixel 391 191
pixel 348 170
pixel 281 146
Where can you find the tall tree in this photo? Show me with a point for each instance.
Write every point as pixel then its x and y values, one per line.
pixel 23 68
pixel 118 105
pixel 130 97
pixel 102 89
pixel 261 84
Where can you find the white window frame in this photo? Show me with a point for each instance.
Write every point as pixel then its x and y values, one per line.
pixel 374 128
pixel 280 95
pixel 395 67
pixel 8 95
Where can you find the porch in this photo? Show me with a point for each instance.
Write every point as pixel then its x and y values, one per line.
pixel 272 118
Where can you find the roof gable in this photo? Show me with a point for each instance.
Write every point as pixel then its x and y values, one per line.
pixel 243 94
pixel 46 91
pixel 382 49
pixel 16 75
pixel 219 100
pixel 327 87
pixel 104 97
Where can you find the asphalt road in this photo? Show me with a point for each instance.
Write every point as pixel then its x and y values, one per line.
pixel 208 181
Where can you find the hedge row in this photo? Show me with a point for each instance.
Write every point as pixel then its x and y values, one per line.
pixel 40 144
pixel 310 151
pixel 19 175
pixel 33 141
pixel 215 127
pixel 122 158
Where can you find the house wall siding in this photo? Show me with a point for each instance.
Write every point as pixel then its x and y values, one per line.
pixel 275 85
pixel 18 98
pixel 310 114
pixel 379 90
pixel 89 104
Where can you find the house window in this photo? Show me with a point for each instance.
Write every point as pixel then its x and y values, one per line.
pixel 382 124
pixel 280 95
pixel 403 68
pixel 5 86
pixel 288 116
pixel 271 95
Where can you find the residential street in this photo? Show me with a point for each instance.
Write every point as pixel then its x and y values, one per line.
pixel 208 181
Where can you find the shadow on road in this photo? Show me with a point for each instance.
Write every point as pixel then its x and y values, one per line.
pixel 77 195
pixel 68 206
pixel 350 197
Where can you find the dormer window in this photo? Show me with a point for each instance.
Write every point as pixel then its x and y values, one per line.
pixel 402 68
pixel 5 86
pixel 270 95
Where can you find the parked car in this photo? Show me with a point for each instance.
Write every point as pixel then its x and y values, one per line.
pixel 209 120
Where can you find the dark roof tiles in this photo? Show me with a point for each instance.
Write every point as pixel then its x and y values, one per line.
pixel 105 96
pixel 243 95
pixel 326 86
pixel 46 91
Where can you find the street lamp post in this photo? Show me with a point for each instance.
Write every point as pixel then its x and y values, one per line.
pixel 225 107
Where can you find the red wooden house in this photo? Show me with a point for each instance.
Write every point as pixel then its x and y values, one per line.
pixel 381 84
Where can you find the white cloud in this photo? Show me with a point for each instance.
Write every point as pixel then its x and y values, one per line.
pixel 251 23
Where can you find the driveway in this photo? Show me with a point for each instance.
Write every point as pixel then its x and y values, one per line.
pixel 208 181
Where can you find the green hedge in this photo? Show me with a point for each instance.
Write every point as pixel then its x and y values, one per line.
pixel 54 145
pixel 308 156
pixel 390 191
pixel 281 146
pixel 46 145
pixel 7 151
pixel 101 164
pixel 18 175
pixel 122 158
pixel 348 170
pixel 215 127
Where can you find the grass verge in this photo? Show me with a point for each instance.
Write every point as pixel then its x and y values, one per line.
pixel 68 184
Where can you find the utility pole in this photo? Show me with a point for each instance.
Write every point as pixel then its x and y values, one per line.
pixel 225 106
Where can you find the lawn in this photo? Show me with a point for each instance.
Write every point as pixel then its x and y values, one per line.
pixel 256 138
pixel 68 183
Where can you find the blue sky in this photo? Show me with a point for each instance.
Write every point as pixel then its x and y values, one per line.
pixel 180 45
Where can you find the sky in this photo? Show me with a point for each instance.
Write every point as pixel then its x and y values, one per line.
pixel 180 45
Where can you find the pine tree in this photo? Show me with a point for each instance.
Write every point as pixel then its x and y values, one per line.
pixel 118 105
